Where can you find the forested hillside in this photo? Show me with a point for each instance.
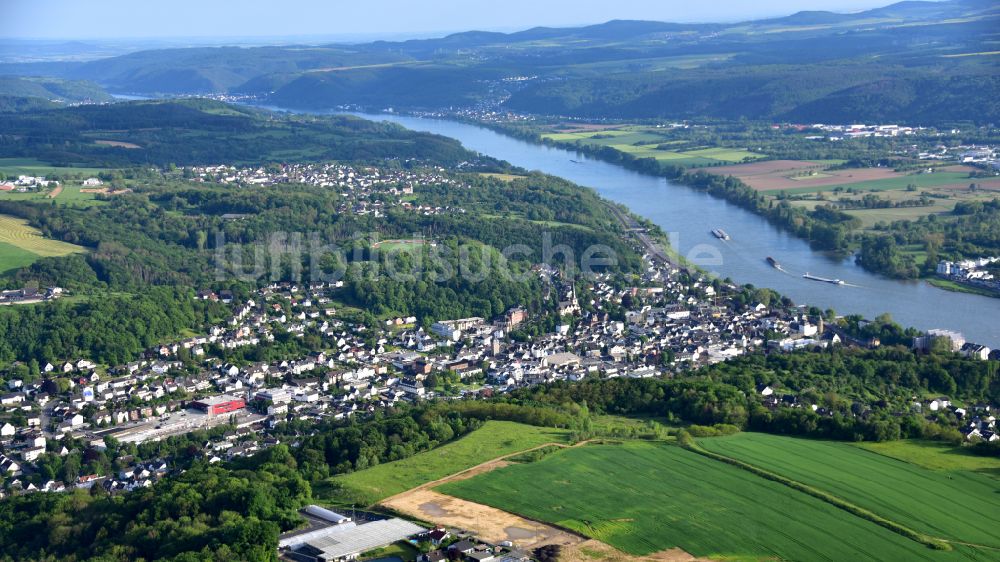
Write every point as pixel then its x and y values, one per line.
pixel 918 62
pixel 206 132
pixel 52 89
pixel 839 93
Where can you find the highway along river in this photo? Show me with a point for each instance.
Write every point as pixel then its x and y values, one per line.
pixel 690 217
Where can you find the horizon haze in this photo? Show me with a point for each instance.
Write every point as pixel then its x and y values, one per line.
pixel 112 20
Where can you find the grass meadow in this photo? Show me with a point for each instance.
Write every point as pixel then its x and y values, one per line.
pixel 935 455
pixel 646 497
pixel 70 195
pixel 494 439
pixel 13 167
pixel 643 142
pixel 954 504
pixel 22 244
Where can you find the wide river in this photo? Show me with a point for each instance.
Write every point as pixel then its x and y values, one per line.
pixel 689 216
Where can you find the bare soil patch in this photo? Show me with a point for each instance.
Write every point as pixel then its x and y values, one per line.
pixel 104 190
pixel 985 184
pixel 490 524
pixel 55 192
pixel 117 144
pixel 763 168
pixel 597 551
pixel 959 168
pixel 778 174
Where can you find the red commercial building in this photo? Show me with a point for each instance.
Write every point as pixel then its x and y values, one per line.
pixel 219 404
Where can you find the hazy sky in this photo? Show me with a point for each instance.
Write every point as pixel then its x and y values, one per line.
pixel 110 19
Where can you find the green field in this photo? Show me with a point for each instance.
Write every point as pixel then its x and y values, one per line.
pixel 498 176
pixel 13 167
pixel 70 195
pixel 646 497
pixel 642 142
pixel 392 246
pixel 724 154
pixel 955 505
pixel 494 439
pixel 935 455
pixel 22 244
pixel 401 550
pixel 12 257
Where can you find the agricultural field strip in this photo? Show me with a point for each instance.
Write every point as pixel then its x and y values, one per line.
pixel 464 471
pixel 645 144
pixel 940 180
pixel 643 497
pixel 481 446
pixel 17 232
pixel 950 505
pixel 933 455
pixel 12 257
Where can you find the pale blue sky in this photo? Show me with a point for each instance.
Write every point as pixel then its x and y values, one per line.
pixel 108 19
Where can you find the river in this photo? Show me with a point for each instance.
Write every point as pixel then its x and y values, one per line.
pixel 689 216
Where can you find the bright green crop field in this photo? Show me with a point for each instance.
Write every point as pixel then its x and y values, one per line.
pixel 13 167
pixel 646 497
pixel 957 505
pixel 494 439
pixel 22 244
pixel 643 142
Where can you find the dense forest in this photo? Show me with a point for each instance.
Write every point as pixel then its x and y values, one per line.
pixel 838 93
pixel 199 131
pixel 62 91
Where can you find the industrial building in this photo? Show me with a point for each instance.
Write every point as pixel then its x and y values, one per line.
pixel 345 539
pixel 222 404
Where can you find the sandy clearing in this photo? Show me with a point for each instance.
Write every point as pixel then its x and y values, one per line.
pixel 597 551
pixel 774 180
pixel 989 185
pixel 104 190
pixel 488 523
pixel 117 144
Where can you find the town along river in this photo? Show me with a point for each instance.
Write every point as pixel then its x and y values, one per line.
pixel 690 216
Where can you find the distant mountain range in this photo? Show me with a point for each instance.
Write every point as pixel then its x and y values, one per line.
pixel 20 93
pixel 919 62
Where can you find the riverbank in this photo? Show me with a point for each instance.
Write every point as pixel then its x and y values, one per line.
pixel 956 287
pixel 824 227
